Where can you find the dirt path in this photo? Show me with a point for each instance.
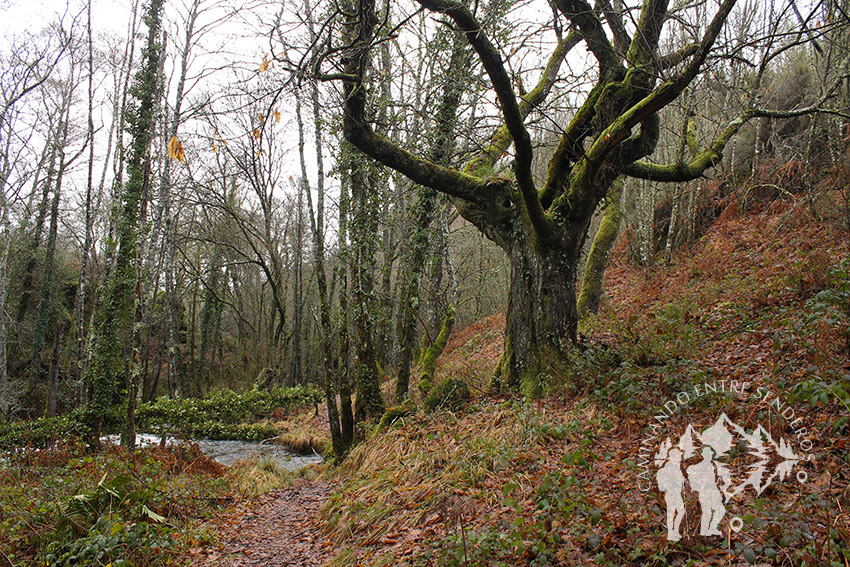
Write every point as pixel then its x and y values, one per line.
pixel 280 531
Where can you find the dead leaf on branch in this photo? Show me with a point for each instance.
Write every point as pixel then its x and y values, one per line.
pixel 175 150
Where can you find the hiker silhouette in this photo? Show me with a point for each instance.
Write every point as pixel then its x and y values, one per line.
pixel 671 482
pixel 703 481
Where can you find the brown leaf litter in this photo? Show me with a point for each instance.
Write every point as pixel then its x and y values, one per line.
pixel 280 530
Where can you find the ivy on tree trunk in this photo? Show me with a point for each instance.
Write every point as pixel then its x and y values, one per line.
pixel 114 333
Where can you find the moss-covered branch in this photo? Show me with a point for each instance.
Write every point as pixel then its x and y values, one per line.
pixel 711 156
pixel 358 130
pixel 672 59
pixel 500 142
pixel 644 46
pixel 620 129
pixel 681 172
pixel 429 360
pixel 569 148
pixel 585 17
pixel 597 259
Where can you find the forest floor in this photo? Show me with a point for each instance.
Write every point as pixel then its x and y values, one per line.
pixel 280 529
pixel 762 299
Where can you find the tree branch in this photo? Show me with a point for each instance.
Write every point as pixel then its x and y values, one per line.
pixel 704 160
pixel 514 119
pixel 644 48
pixel 582 15
pixel 711 156
pixel 358 131
pixel 672 59
pixel 500 142
pixel 615 22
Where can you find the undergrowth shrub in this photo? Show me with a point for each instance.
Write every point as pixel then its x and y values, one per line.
pixel 42 432
pixel 222 414
pixel 113 507
pixel 821 333
pixel 448 393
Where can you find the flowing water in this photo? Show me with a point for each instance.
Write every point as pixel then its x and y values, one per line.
pixel 228 452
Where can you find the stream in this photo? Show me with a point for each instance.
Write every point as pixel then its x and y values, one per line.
pixel 228 452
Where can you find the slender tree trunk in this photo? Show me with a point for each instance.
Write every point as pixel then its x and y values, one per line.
pixel 114 333
pixel 388 245
pixel 425 210
pixel 80 299
pixel 5 241
pixel 423 214
pixel 435 349
pixel 171 308
pixel 597 258
pixel 193 380
pixel 28 277
pixel 45 311
pixel 53 381
pixel 344 345
pixel 317 230
pixel 298 291
pixel 364 190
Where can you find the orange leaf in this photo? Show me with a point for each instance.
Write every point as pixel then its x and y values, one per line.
pixel 175 150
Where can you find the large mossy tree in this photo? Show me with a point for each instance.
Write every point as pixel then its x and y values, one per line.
pixel 542 223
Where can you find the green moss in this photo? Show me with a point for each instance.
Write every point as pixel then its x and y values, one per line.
pixel 394 413
pixel 425 386
pixel 429 360
pixel 447 393
pixel 597 259
pixel 533 386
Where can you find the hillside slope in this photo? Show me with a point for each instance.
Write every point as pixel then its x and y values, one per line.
pixel 762 300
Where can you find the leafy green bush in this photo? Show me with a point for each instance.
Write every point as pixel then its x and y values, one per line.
pixel 113 542
pixel 821 330
pixel 41 432
pixel 118 507
pixel 221 414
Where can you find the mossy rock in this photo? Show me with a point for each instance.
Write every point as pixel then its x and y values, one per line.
pixel 448 393
pixel 394 413
pixel 425 386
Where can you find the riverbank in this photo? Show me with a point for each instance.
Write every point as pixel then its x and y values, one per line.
pixel 63 503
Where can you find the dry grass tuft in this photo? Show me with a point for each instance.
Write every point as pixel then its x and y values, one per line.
pixel 258 475
pixel 409 484
pixel 303 443
pixel 305 432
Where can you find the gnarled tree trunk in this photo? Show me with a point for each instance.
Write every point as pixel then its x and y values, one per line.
pixel 541 317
